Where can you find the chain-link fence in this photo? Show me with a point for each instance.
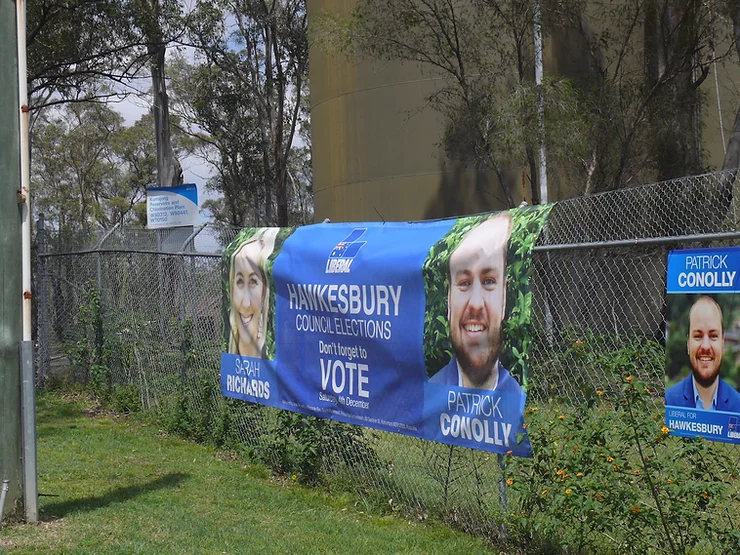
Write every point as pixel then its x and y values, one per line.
pixel 136 314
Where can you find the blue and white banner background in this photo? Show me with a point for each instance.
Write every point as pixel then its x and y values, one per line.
pixel 692 275
pixel 172 206
pixel 344 337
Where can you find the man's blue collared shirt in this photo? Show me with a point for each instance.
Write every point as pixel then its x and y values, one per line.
pixel 697 398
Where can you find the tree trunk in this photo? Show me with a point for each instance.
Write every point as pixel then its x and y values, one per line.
pixel 169 171
pixel 534 175
pixel 732 156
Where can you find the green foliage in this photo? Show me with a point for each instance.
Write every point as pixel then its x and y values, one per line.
pixel 579 360
pixel 90 170
pixel 174 416
pixel 230 88
pixel 514 126
pixel 71 45
pixel 89 354
pixel 304 446
pixel 527 222
pixel 125 399
pixel 606 477
pixel 626 109
pixel 187 344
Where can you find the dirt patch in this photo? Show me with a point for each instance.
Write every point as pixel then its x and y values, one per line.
pixel 50 526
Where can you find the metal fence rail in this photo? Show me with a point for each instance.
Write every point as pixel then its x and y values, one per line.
pixel 136 313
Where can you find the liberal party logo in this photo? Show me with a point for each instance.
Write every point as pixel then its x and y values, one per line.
pixel 341 257
pixel 733 429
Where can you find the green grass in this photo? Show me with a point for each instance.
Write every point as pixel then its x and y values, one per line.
pixel 116 484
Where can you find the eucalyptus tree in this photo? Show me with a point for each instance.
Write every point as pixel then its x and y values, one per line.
pixel 76 46
pixel 94 50
pixel 244 95
pixel 160 22
pixel 647 61
pixel 72 167
pixel 90 171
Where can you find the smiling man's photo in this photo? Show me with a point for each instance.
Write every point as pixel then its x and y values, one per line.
pixel 476 304
pixel 705 343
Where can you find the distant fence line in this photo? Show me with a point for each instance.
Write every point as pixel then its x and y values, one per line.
pixel 137 314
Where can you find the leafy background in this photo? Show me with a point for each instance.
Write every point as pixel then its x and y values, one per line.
pixel 527 223
pixel 243 236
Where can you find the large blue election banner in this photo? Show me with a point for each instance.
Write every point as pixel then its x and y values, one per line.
pixel 703 317
pixel 395 326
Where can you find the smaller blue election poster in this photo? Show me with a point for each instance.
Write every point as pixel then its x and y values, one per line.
pixel 702 371
pixel 394 326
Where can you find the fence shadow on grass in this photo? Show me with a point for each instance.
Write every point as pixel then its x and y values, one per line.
pixel 118 495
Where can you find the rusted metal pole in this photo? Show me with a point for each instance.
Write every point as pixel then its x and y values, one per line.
pixel 11 305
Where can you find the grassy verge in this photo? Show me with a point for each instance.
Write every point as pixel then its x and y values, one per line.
pixel 115 484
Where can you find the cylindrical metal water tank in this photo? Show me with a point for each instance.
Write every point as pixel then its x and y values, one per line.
pixel 376 144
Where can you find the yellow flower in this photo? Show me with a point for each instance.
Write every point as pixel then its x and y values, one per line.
pixel 609 459
pixel 635 472
pixel 568 491
pixel 599 393
pixel 615 467
pixel 580 475
pixel 705 495
pixel 628 379
pixel 561 417
pixel 509 481
pixel 544 492
pixel 664 429
pixel 635 509
pixel 669 481
pixel 559 473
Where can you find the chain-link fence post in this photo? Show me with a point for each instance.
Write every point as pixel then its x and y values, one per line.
pixel 99 312
pixel 186 330
pixel 185 334
pixel 43 303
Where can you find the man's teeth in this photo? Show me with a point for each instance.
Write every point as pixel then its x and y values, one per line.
pixel 474 327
